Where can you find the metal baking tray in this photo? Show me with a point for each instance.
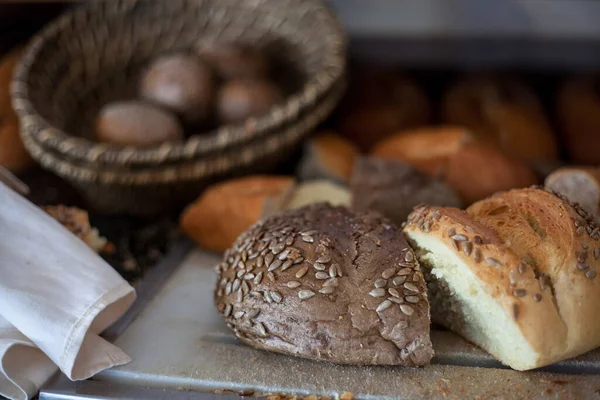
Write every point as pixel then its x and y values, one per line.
pixel 181 348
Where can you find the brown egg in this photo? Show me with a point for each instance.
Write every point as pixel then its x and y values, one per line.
pixel 241 99
pixel 181 83
pixel 132 123
pixel 232 61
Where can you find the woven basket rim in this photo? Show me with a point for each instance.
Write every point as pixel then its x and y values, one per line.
pixel 171 175
pixel 87 151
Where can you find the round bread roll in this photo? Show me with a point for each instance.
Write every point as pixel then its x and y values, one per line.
pixel 380 103
pixel 324 283
pixel 502 112
pixel 132 123
pixel 240 99
pixel 181 83
pixel 578 109
pixel 232 61
pixel 471 167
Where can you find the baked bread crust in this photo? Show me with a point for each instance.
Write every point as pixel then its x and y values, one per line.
pixel 324 283
pixel 536 256
pixel 504 112
pixel 394 188
pixel 225 210
pixel 328 156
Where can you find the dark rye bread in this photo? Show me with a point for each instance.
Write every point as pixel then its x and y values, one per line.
pixel 325 283
pixel 394 188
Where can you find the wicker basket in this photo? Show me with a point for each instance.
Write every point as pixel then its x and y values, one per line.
pixel 93 54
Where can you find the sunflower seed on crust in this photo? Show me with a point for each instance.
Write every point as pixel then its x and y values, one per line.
pixel 305 294
pixel 379 292
pixel 379 283
pixel 388 273
pixel 331 282
pixel 406 309
pixel 327 290
pixel 301 272
pixel 384 306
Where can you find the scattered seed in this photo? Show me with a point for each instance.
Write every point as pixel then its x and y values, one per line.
pixel 388 273
pixel 321 275
pixel 289 241
pixel 331 282
pixel 412 299
pixel 271 276
pixel 582 256
pixel 522 267
pixel 324 259
pixel 236 285
pixel 467 248
pixel 476 255
pixel 305 294
pixel 338 269
pixel 283 255
pixel 399 280
pixel 268 297
pixel 301 272
pixel 459 238
pixel 585 246
pixel 379 292
pixel 252 256
pixel 256 294
pixel 394 292
pixel 278 248
pixel 327 290
pixel 286 265
pixel 596 253
pixel 241 265
pixel 384 306
pixel 379 283
pixel 249 276
pixel 455 245
pixel 397 300
pixel 274 265
pixel 228 309
pixel 451 232
pixel 253 313
pixel 411 286
pixel 308 239
pixel 269 259
pixel 261 329
pixel 308 233
pixel 580 231
pixel 582 266
pixel 240 273
pixel 409 256
pixel 402 324
pixel 276 297
pixel 537 297
pixel 258 278
pixel 298 260
pixel 591 274
pixel 477 240
pixel 492 261
pixel 293 284
pixel 238 314
pixel 594 231
pixel 405 271
pixel 245 288
pixel 319 266
pixel 406 309
pixel 520 292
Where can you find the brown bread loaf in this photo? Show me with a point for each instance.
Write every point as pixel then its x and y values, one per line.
pixel 324 283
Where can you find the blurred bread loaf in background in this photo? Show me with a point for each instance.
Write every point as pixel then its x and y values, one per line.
pixel 328 155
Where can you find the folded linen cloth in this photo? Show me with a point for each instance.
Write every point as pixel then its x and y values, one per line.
pixel 56 296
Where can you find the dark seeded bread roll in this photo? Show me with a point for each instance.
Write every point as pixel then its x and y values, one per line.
pixel 324 283
pixel 394 188
pixel 516 274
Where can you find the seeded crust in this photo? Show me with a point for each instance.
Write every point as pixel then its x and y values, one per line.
pixel 484 253
pixel 342 287
pixel 532 252
pixel 580 185
pixel 393 189
pixel 562 243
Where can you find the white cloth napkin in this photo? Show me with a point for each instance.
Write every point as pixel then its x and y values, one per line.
pixel 56 296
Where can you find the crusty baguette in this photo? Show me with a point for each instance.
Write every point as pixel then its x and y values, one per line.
pixel 580 185
pixel 515 274
pixel 328 156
